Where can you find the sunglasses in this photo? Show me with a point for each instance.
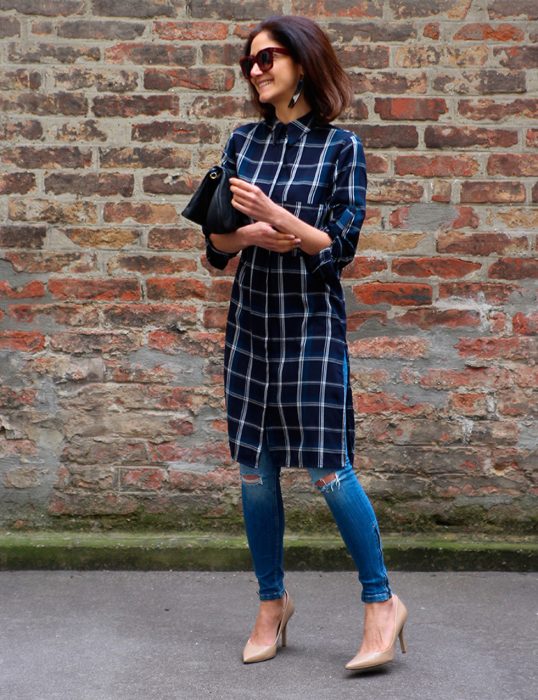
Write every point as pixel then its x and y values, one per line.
pixel 263 58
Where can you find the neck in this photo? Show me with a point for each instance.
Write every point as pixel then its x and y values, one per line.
pixel 286 114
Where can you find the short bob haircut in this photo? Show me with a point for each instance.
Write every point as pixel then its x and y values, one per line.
pixel 327 87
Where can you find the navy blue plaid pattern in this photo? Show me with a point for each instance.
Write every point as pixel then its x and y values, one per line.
pixel 285 352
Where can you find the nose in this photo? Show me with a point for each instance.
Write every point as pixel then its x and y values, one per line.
pixel 255 71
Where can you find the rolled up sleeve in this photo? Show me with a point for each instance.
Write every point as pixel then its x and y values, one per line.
pixel 346 212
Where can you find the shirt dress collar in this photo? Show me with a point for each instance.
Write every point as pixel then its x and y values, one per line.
pixel 294 130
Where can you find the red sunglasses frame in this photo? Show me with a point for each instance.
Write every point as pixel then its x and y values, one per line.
pixel 247 63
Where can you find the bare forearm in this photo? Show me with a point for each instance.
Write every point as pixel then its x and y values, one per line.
pixel 312 239
pixel 228 242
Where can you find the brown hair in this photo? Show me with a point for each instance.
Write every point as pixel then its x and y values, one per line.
pixel 327 87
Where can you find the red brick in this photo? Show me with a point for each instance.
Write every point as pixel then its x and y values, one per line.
pixel 176 288
pixel 364 56
pixel 20 79
pixel 389 82
pixel 48 8
pixel 102 80
pixel 218 107
pixel 32 157
pixel 349 30
pixel 492 110
pixel 54 211
pixel 27 129
pixel 432 317
pixel 442 191
pixel 151 264
pixel 525 324
pixel 434 267
pixel 143 212
pixel 514 268
pixel 90 342
pixel 480 192
pixel 337 8
pixel 394 293
pixel 489 32
pixel 465 136
pixel 150 54
pixel 178 132
pixel 134 315
pixel 187 31
pixel 135 105
pixel 481 244
pixel 144 157
pixel 215 317
pixel 51 261
pixel 168 184
pixel 493 293
pixel 30 290
pixel 190 78
pixel 51 53
pixel 410 108
pixel 126 8
pixel 100 29
pixel 175 239
pixel 513 164
pixel 22 236
pixel 125 289
pixel 417 56
pixel 383 346
pixel 516 348
pixel 9 26
pixel 432 30
pixel 364 267
pixel 17 183
pixel 454 9
pixel 517 56
pixel 531 137
pixel 374 136
pixel 357 319
pixel 142 479
pixel 522 9
pixel 24 341
pixel 102 184
pixel 104 237
pixel 379 403
pixel 376 163
pixel 68 104
pixel 436 166
pixel 481 81
pixel 392 190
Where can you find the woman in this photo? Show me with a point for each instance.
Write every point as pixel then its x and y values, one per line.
pixel 302 183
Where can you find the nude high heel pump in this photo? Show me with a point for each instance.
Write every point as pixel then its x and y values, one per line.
pixel 253 653
pixel 378 658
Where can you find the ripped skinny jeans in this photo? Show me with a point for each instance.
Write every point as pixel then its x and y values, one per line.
pixel 263 514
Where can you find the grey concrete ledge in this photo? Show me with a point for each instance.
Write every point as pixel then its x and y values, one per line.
pixel 193 551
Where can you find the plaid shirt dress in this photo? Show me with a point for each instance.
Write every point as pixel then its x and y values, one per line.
pixel 286 353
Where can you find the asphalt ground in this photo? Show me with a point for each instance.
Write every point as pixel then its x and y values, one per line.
pixel 162 635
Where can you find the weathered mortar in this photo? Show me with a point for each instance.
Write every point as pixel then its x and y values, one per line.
pixel 111 321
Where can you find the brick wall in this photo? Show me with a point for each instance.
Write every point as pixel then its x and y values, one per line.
pixel 112 322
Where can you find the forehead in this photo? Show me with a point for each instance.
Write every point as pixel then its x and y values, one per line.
pixel 262 41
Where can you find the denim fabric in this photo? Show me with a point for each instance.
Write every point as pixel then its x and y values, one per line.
pixel 263 513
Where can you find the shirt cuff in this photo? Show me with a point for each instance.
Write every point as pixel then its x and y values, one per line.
pixel 322 264
pixel 216 257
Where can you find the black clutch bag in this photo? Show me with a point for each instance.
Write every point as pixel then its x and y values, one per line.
pixel 211 204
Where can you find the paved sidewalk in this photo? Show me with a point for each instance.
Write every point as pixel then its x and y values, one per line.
pixel 167 635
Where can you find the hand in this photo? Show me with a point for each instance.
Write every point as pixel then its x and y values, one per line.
pixel 250 200
pixel 265 236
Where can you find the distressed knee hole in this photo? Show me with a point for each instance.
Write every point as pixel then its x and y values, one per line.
pixel 328 483
pixel 252 479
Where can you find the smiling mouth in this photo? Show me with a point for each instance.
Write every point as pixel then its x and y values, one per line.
pixel 263 83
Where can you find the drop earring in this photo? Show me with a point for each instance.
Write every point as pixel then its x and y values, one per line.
pixel 297 93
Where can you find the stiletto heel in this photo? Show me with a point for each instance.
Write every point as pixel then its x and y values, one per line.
pixel 253 653
pixel 378 658
pixel 402 642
